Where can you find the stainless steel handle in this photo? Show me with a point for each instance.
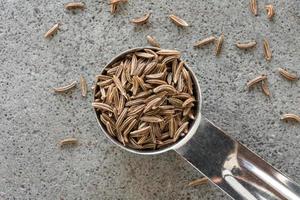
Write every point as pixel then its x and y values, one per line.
pixel 234 168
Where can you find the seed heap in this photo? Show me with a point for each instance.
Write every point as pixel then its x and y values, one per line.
pixel 145 100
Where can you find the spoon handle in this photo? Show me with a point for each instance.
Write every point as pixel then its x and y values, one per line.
pixel 234 168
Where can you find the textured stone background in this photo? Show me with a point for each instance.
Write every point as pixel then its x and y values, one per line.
pixel 33 119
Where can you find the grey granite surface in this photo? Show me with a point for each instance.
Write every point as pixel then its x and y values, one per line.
pixel 33 119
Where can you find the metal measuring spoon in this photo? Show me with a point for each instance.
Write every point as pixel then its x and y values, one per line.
pixel 227 163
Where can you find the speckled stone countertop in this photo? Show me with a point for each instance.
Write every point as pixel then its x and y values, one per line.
pixel 33 119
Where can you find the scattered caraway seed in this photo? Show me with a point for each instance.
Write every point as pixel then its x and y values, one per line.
pixel 178 21
pixel 117 1
pixel 270 11
pixel 267 50
pixel 65 88
pixel 145 99
pixel 289 117
pixel 256 80
pixel 286 74
pixel 246 45
pixel 83 86
pixel 74 5
pixel 253 7
pixel 113 8
pixel 265 87
pixel 199 181
pixel 205 41
pixel 52 31
pixel 68 141
pixel 152 41
pixel 114 5
pixel 219 44
pixel 141 20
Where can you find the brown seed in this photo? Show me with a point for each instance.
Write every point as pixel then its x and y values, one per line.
pixel 179 130
pixel 168 88
pixel 152 133
pixel 156 82
pixel 180 84
pixel 151 52
pixel 65 88
pixel 178 71
pixel 108 119
pixel 141 20
pixel 74 5
pixel 156 76
pixel 103 94
pixel 135 102
pixel 113 8
pixel 151 104
pixel 205 41
pixel 286 74
pixel 169 78
pixel 182 95
pixel 265 87
pixel 102 106
pixel 152 41
pixel 290 116
pixel 150 67
pixel 68 141
pixel 246 45
pixel 267 50
pixel 110 97
pixel 117 1
pixel 149 146
pixel 83 86
pixel 270 11
pixel 186 111
pixel 140 132
pixel 175 102
pixel 167 52
pixel 119 70
pixel 191 115
pixel 112 70
pixel 178 21
pixel 128 129
pixel 168 59
pixel 116 97
pixel 144 55
pixel 102 77
pixel 188 101
pixel 253 7
pixel 137 110
pixel 121 117
pixel 109 129
pixel 165 143
pixel 187 77
pixel 160 94
pixel 256 80
pixel 142 94
pixel 172 127
pixel 200 181
pixel 151 119
pixel 53 30
pixel 135 85
pixel 119 86
pixel 126 122
pixel 105 83
pixel 133 64
pixel 219 44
